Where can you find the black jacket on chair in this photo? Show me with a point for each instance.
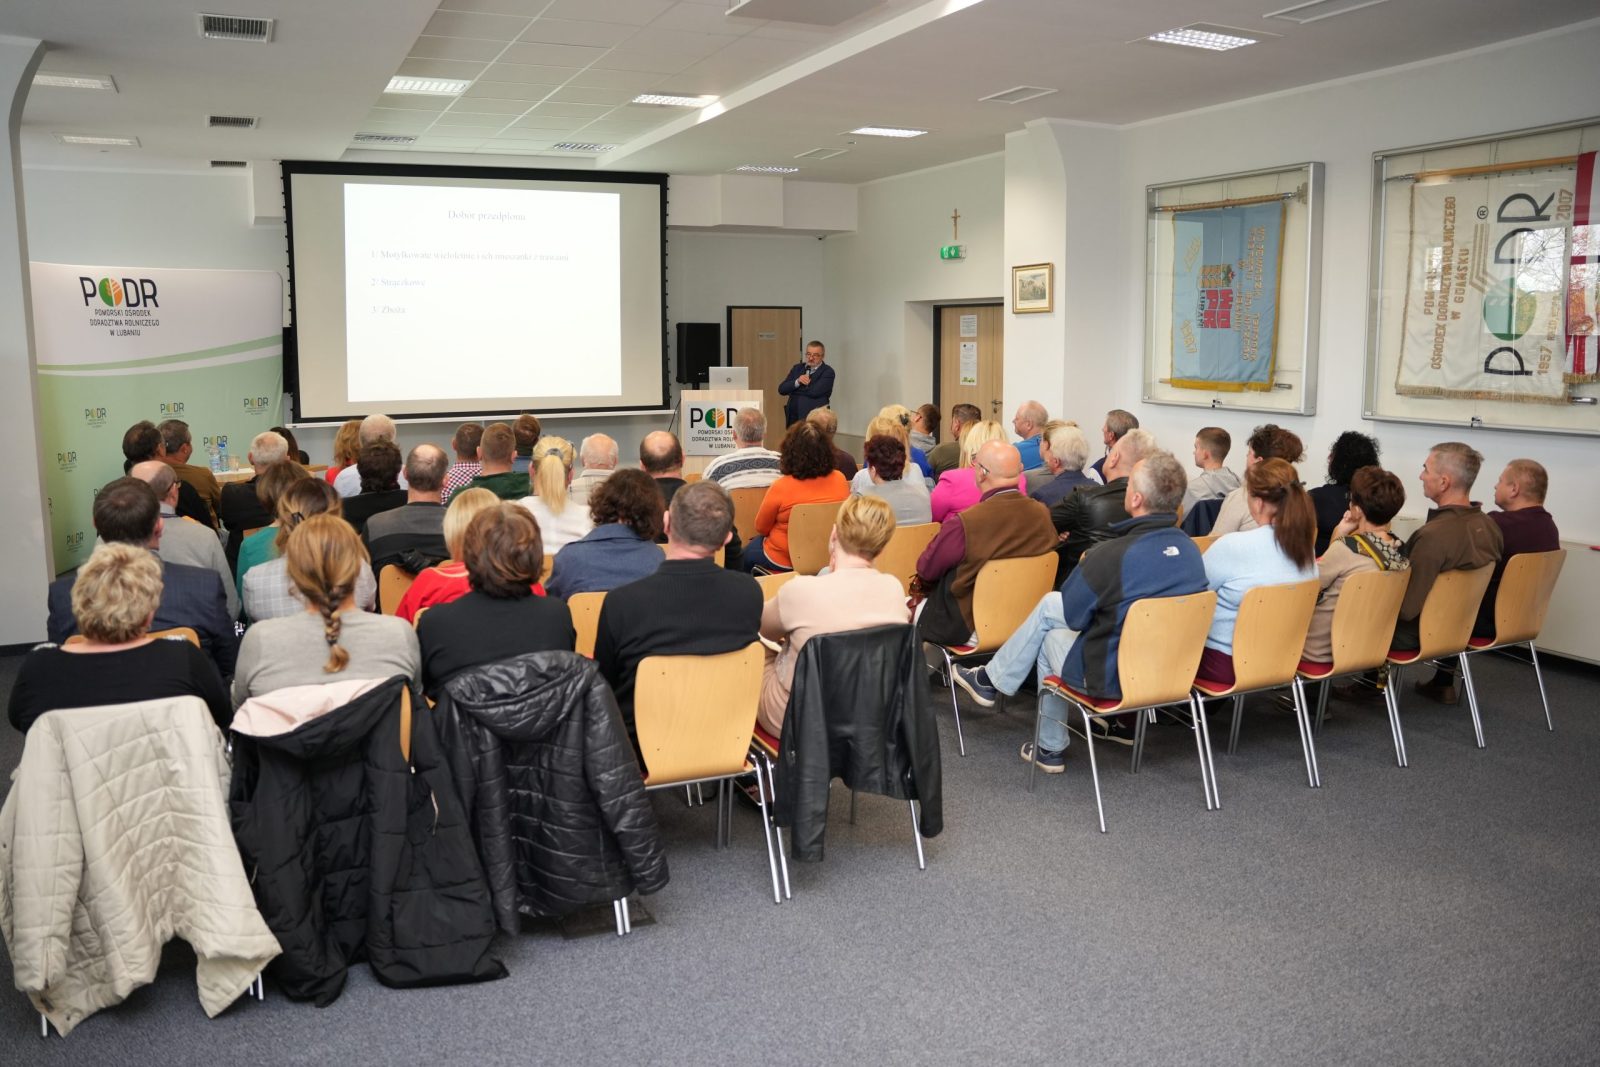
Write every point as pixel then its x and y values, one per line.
pixel 1086 517
pixel 858 710
pixel 353 853
pixel 551 785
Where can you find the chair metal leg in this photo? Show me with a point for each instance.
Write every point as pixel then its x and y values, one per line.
pixel 1472 698
pixel 44 1025
pixel 1307 742
pixel 1140 721
pixel 1323 688
pixel 1391 696
pixel 261 986
pixel 1539 675
pixel 1238 719
pixel 766 827
pixel 1200 753
pixel 616 914
pixel 777 831
pixel 955 707
pixel 1038 727
pixel 922 860
pixel 1094 769
pixel 852 807
pixel 1205 733
pixel 723 794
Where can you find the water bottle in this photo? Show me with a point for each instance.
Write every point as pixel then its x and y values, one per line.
pixel 214 452
pixel 222 452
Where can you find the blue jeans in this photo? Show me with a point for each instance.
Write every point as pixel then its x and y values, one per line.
pixel 1042 642
pixel 755 555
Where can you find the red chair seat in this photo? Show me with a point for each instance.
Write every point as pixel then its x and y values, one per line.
pixel 1479 642
pixel 1312 669
pixel 961 650
pixel 1097 703
pixel 1213 688
pixel 1403 655
pixel 765 741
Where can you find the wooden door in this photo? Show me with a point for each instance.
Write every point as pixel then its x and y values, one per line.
pixel 978 379
pixel 768 341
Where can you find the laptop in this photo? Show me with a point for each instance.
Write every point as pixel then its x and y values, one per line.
pixel 729 378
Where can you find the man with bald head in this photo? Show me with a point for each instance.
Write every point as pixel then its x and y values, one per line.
pixel 184 541
pixel 1028 423
pixel 1003 524
pixel 417 526
pixel 597 455
pixel 661 457
pixel 1090 515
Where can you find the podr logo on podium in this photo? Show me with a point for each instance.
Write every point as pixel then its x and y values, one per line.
pixel 116 293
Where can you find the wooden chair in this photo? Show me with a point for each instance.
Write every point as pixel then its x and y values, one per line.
pixel 585 608
pixel 1520 604
pixel 746 502
pixel 393 581
pixel 1268 637
pixel 899 557
pixel 1204 542
pixel 691 478
pixel 1443 630
pixel 771 583
pixel 184 633
pixel 809 527
pixel 1363 629
pixel 1005 592
pixel 546 567
pixel 686 738
pixel 1162 639
pixel 251 532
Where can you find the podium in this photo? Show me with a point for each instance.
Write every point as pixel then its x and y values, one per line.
pixel 705 422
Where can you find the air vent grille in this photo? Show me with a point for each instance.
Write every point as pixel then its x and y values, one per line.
pixel 822 153
pixel 231 122
pixel 1317 10
pixel 236 28
pixel 383 138
pixel 1019 95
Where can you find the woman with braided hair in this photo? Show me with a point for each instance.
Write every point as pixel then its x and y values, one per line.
pixel 332 639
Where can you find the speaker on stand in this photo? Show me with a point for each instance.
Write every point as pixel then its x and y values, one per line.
pixel 699 349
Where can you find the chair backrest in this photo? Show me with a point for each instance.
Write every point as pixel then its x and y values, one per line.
pixel 1270 633
pixel 1450 611
pixel 746 502
pixel 393 581
pixel 1365 617
pixel 809 526
pixel 691 477
pixel 585 608
pixel 546 567
pixel 1159 650
pixel 695 714
pixel 899 557
pixel 251 532
pixel 771 583
pixel 1006 591
pixel 1524 595
pixel 1204 542
pixel 185 632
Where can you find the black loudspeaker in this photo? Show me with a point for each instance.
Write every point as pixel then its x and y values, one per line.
pixel 699 349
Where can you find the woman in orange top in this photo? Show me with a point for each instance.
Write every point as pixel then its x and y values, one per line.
pixel 808 477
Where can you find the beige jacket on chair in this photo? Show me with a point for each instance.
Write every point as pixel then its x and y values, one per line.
pixel 115 839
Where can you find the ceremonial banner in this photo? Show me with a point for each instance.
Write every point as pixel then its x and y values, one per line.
pixel 1501 283
pixel 1226 265
pixel 117 345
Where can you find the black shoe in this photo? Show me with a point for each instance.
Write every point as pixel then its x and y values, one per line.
pixel 1444 694
pixel 1113 730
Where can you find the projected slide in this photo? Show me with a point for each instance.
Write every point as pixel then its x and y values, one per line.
pixel 471 292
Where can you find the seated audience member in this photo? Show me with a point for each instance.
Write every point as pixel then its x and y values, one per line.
pixel 444 582
pixel 1003 524
pixel 598 456
pixel 241 509
pixel 526 431
pixel 1089 515
pixel 1362 541
pixel 809 477
pixel 886 466
pixel 1148 556
pixel 1028 423
pixel 1118 422
pixel 127 512
pixel 925 430
pixel 904 417
pixel 332 639
pixel 626 511
pixel 751 465
pixel 116 594
pixel 661 457
pixel 562 519
pixel 1350 452
pixel 346 449
pixel 1276 551
pixel 465 442
pixel 417 526
pixel 1525 526
pixel 495 451
pixel 268 593
pixel 500 617
pixel 296 453
pixel 886 423
pixel 1212 480
pixel 1064 450
pixel 263 544
pixel 958 489
pixel 379 467
pixel 825 420
pixel 374 428
pixel 657 616
pixel 143 443
pixel 851 596
pixel 946 455
pixel 177 446
pixel 189 543
pixel 1266 442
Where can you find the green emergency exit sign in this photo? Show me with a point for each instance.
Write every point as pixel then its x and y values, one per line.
pixel 953 252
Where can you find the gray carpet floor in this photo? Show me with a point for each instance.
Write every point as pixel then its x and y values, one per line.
pixel 1441 914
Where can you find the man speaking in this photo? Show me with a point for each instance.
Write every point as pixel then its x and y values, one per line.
pixel 808 386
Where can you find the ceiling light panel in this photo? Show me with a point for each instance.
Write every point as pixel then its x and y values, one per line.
pixel 383 138
pixel 1317 10
pixel 583 146
pixel 670 100
pixel 52 80
pixel 427 86
pixel 103 142
pixel 1212 40
pixel 820 154
pixel 888 131
pixel 1021 94
pixel 766 168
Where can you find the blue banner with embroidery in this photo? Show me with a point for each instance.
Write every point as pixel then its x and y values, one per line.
pixel 1225 274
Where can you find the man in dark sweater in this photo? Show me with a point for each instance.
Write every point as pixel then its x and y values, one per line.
pixel 688 607
pixel 418 525
pixel 1524 525
pixel 1075 633
pixel 495 452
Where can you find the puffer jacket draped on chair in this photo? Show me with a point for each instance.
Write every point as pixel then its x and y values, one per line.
pixel 356 853
pixel 551 785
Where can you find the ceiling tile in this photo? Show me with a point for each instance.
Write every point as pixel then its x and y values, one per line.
pixel 413 101
pixel 631 12
pixel 620 59
pixel 552 55
pixel 488 123
pixel 526 9
pixel 679 44
pixel 440 68
pixel 525 72
pixel 632 81
pixel 704 18
pixel 570 31
pixel 447 142
pixel 456 48
pixel 573 95
pixel 523 139
pixel 405 121
pixel 471 24
pixel 536 121
pixel 577 111
pixel 524 91
pixel 484 105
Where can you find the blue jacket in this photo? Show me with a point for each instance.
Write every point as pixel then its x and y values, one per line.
pixel 803 399
pixel 1061 486
pixel 1148 557
pixel 608 556
pixel 1028 449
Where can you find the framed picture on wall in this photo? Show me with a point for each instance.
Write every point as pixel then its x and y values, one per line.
pixel 1033 288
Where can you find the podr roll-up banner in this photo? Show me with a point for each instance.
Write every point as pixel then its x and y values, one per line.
pixel 116 345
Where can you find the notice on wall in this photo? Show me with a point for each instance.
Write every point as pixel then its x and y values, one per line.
pixel 969 326
pixel 969 360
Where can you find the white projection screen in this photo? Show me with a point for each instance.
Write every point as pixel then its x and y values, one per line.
pixel 446 291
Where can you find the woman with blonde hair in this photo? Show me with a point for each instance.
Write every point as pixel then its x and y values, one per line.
pixel 958 489
pixel 562 518
pixel 114 600
pixel 447 581
pixel 851 596
pixel 268 592
pixel 886 425
pixel 332 639
pixel 346 448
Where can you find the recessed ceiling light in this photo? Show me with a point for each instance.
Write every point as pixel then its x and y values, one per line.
pixel 428 86
pixel 1195 37
pixel 1018 95
pixel 383 138
pixel 888 131
pixel 583 146
pixel 766 168
pixel 49 80
pixel 105 142
pixel 670 100
pixel 1317 10
pixel 822 153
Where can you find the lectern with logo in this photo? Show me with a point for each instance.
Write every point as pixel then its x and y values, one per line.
pixel 705 419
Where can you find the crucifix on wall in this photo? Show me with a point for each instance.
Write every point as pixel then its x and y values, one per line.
pixel 955 225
